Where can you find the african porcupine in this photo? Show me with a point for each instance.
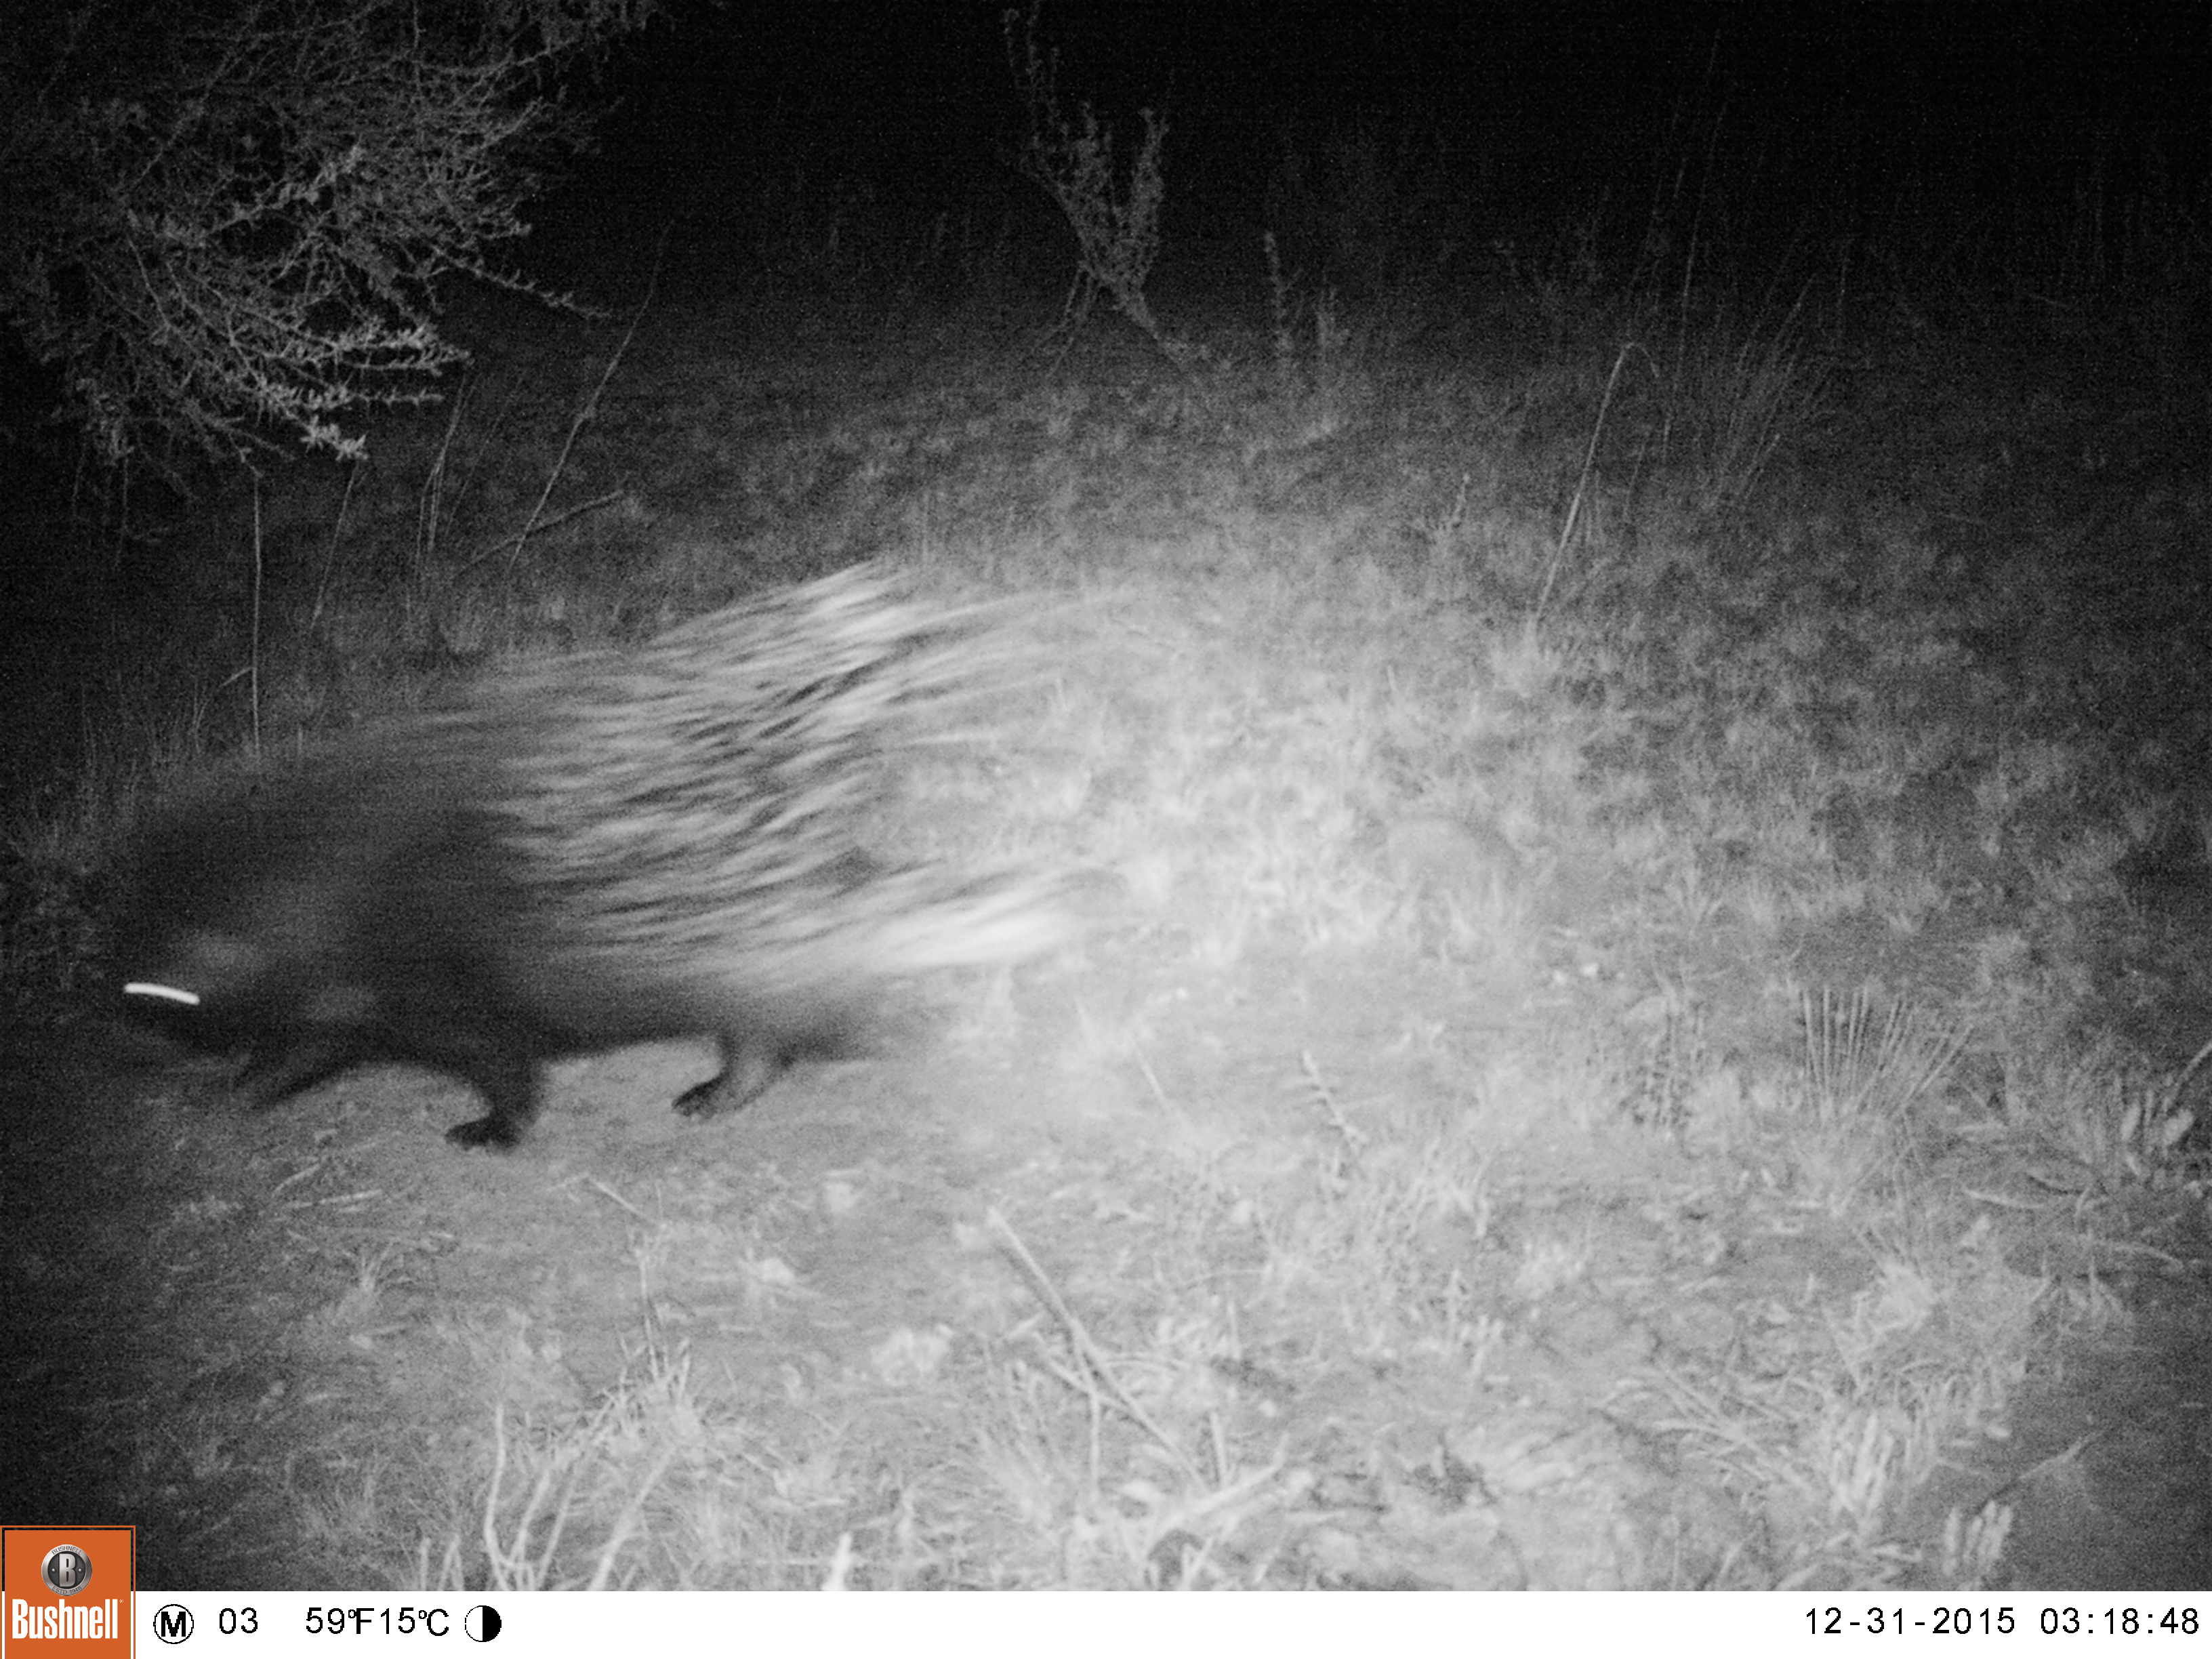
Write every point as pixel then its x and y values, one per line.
pixel 669 842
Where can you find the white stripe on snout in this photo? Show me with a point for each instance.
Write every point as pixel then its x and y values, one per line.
pixel 139 988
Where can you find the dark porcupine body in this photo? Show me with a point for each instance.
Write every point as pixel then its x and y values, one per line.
pixel 670 842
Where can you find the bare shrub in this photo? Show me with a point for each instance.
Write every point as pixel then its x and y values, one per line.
pixel 223 218
pixel 1116 226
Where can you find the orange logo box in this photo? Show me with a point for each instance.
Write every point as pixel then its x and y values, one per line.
pixel 65 1592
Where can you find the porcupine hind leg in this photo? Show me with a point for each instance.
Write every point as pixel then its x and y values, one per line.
pixel 749 1066
pixel 760 1044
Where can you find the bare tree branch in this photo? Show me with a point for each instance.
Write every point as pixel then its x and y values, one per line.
pixel 226 217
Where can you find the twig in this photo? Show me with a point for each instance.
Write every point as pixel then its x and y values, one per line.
pixel 591 407
pixel 330 557
pixel 1088 1352
pixel 1590 460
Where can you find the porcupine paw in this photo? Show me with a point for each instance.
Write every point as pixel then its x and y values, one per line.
pixel 494 1132
pixel 747 1070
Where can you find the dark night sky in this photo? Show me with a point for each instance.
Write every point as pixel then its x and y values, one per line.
pixel 1843 97
pixel 1523 58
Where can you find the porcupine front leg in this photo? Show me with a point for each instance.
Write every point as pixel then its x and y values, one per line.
pixel 270 1076
pixel 333 1032
pixel 507 1077
pixel 484 1049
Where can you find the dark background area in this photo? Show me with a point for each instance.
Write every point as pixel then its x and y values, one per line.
pixel 1838 106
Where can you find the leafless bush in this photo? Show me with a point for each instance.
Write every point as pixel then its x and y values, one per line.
pixel 222 219
pixel 1117 227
